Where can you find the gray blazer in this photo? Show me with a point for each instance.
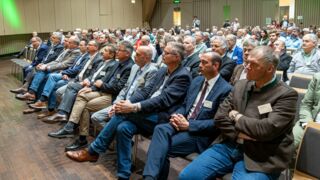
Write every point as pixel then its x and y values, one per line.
pixel 65 62
pixel 145 78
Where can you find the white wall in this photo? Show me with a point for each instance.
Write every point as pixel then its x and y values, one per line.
pixel 49 15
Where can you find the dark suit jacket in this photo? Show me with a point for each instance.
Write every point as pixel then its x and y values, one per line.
pixel 273 149
pixel 284 64
pixel 57 50
pixel 236 74
pixel 65 62
pixel 172 94
pixel 226 68
pixel 204 125
pixel 77 66
pixel 192 64
pixel 96 64
pixel 40 55
pixel 118 77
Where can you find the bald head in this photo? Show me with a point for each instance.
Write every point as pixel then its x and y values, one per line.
pixel 143 56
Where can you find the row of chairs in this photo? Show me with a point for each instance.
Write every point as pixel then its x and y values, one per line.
pixel 18 64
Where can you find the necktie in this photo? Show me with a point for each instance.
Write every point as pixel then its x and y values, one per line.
pixel 199 103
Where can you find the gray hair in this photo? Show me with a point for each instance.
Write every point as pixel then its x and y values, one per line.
pixel 193 40
pixel 250 42
pixel 75 40
pixel 177 48
pixel 267 55
pixel 221 39
pixel 312 37
pixel 127 45
pixel 37 39
pixel 58 35
pixel 231 37
pixel 147 51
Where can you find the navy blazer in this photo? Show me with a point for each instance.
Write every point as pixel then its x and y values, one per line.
pixel 204 125
pixel 192 64
pixel 57 50
pixel 237 55
pixel 40 54
pixel 118 78
pixel 77 66
pixel 97 62
pixel 226 68
pixel 172 95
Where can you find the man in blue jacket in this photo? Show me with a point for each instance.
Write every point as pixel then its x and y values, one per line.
pixel 142 112
pixel 191 128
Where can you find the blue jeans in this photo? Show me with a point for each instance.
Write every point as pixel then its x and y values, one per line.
pixel 39 77
pixel 26 70
pixel 219 160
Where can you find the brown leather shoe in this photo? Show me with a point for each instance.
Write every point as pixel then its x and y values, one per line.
pixel 18 90
pixel 26 97
pixel 39 105
pixel 30 110
pixel 45 114
pixel 82 156
pixel 55 118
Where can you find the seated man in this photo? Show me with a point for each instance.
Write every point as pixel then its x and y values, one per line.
pixel 240 71
pixel 51 54
pixel 148 107
pixel 191 61
pixel 234 51
pixel 62 62
pixel 140 76
pixel 83 79
pixel 309 109
pixel 105 88
pixel 220 46
pixel 306 61
pixel 58 79
pixel 191 128
pixel 284 58
pixel 255 121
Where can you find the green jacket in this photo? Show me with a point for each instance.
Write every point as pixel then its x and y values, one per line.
pixel 310 104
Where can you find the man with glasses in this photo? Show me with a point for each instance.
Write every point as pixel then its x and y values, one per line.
pixel 142 112
pixel 240 71
pixel 255 122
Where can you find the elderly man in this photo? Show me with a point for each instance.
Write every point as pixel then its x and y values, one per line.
pixel 220 46
pixel 255 121
pixel 191 128
pixel 191 61
pixel 309 109
pixel 234 51
pixel 200 45
pixel 285 59
pixel 140 76
pixel 142 112
pixel 308 60
pixel 65 60
pixel 145 41
pixel 240 71
pixel 104 89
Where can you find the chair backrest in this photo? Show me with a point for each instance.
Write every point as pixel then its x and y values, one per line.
pixel 308 159
pixel 300 80
pixel 301 93
pixel 279 75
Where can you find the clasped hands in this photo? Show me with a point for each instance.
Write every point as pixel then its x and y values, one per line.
pixel 179 122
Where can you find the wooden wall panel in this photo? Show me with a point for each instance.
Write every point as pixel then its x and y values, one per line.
pixel 32 21
pixel 78 14
pixel 201 8
pixel 309 10
pixel 92 12
pixel 105 7
pixel 8 28
pixel 63 14
pixel 47 15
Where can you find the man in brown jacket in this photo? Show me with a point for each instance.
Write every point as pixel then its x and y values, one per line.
pixel 255 121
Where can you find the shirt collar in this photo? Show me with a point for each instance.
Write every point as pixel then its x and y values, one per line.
pixel 213 80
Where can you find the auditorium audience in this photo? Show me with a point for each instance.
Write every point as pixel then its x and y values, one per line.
pixel 190 128
pixel 254 143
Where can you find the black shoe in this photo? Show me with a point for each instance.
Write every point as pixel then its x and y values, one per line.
pixel 62 133
pixel 76 145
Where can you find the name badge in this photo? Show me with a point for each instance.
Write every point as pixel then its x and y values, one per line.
pixel 102 73
pixel 207 104
pixel 266 108
pixel 90 67
pixel 188 68
pixel 118 76
pixel 141 81
pixel 235 57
